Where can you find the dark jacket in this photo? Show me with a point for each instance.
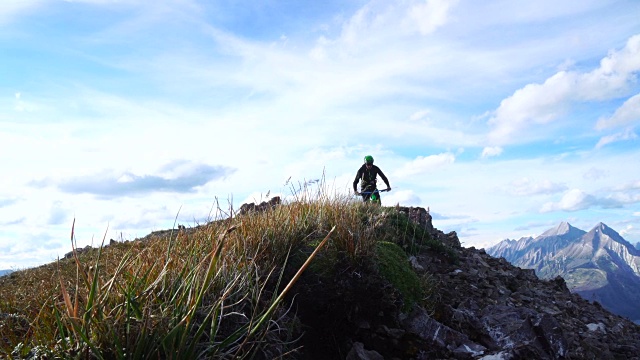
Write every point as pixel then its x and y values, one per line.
pixel 368 177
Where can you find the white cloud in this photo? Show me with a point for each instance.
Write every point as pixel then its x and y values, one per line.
pixel 415 15
pixel 576 199
pixel 181 176
pixel 546 102
pixel 424 164
pixel 490 151
pixel 526 187
pixel 623 62
pixel 381 21
pixel 427 16
pixel 627 231
pixel 573 200
pixel 533 104
pixel 402 197
pixel 420 115
pixel 621 136
pixel 626 197
pixel 628 113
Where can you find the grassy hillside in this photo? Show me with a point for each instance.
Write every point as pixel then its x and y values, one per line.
pixel 220 290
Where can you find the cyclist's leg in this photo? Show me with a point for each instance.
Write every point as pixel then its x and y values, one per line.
pixel 376 196
pixel 366 196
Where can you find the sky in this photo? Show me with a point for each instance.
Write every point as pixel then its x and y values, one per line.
pixel 503 117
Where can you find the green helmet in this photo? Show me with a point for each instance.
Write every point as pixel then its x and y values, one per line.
pixel 368 159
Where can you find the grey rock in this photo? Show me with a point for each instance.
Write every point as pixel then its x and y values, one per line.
pixel 358 352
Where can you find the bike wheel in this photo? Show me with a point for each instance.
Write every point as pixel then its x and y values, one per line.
pixel 375 198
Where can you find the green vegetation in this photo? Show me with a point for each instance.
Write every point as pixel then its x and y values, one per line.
pixel 213 291
pixel 396 269
pixel 411 237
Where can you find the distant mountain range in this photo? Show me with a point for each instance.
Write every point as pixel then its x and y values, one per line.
pixel 600 265
pixel 5 272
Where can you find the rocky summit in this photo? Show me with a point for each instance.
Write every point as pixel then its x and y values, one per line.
pixel 480 307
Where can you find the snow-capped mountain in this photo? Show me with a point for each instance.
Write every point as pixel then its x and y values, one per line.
pixel 600 264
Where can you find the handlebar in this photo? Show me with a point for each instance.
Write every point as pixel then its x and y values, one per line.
pixel 372 192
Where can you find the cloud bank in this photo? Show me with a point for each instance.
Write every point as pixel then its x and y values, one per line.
pixel 181 177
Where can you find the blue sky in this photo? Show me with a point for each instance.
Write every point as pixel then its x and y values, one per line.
pixel 503 117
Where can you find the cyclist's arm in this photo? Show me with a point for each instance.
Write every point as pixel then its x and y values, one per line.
pixel 384 178
pixel 355 181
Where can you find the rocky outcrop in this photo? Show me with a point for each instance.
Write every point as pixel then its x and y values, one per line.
pixel 485 308
pixel 422 217
pixel 263 206
pixel 511 311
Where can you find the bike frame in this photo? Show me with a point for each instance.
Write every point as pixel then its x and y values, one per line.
pixel 373 195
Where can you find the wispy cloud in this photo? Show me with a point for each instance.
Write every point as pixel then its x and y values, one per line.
pixel 13 222
pixel 6 202
pixel 576 199
pixel 625 115
pixel 423 164
pixel 635 185
pixel 527 187
pixel 423 17
pixel 180 176
pixel 439 216
pixel 595 174
pixel 621 136
pixel 427 16
pixel 491 151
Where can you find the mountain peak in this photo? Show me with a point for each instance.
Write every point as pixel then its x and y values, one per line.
pixel 562 229
pixel 601 225
pixel 603 229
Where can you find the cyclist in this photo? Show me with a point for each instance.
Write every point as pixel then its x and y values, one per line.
pixel 367 175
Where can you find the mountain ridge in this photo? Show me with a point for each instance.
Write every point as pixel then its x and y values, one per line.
pixel 5 272
pixel 600 264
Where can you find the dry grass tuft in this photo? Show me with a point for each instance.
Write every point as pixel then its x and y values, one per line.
pixel 190 293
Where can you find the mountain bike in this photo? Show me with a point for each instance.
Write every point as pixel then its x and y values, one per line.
pixel 374 196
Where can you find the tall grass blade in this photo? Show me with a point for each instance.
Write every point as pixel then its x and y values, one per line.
pixel 295 278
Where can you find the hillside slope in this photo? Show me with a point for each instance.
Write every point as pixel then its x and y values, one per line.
pixel 417 295
pixel 480 306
